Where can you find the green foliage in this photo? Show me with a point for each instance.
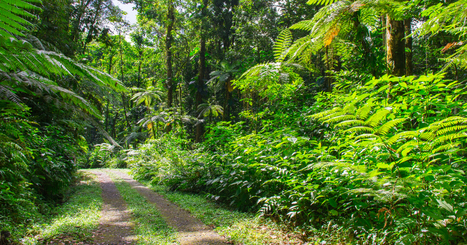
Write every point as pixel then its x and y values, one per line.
pixel 450 19
pixel 282 44
pixel 380 162
pixel 76 219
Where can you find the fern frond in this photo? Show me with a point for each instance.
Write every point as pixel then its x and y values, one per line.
pixel 12 14
pixel 376 118
pixel 407 147
pixel 446 147
pixel 6 93
pixel 304 25
pixel 383 130
pixel 348 123
pixel 448 122
pixel 322 114
pixel 340 118
pixel 402 135
pixel 450 137
pixel 283 42
pixel 427 135
pixel 336 114
pixel 360 129
pixel 365 136
pixel 448 130
pixel 364 111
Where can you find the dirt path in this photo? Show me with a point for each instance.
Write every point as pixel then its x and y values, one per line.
pixel 190 230
pixel 115 225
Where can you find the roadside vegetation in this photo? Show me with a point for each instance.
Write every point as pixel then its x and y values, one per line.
pixel 75 220
pixel 343 121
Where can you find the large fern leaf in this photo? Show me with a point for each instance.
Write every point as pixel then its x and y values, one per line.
pixel 402 136
pixel 384 129
pixel 376 118
pixel 347 123
pixel 283 42
pixel 13 14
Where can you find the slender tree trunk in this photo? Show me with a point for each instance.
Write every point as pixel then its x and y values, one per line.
pixel 168 46
pixel 329 61
pixel 122 78
pixel 139 68
pixel 202 71
pixel 228 85
pixel 395 56
pixel 408 45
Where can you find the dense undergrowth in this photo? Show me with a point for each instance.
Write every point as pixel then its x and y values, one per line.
pixel 37 163
pixel 381 161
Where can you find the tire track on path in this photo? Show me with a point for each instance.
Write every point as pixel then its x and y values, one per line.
pixel 115 226
pixel 191 231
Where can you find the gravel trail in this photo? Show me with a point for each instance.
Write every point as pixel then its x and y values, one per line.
pixel 191 231
pixel 115 226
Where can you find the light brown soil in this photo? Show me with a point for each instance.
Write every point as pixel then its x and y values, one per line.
pixel 115 226
pixel 191 230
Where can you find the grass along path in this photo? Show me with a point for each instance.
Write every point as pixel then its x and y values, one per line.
pixel 237 227
pixel 75 221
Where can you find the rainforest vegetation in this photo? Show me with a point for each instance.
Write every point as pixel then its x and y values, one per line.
pixel 341 119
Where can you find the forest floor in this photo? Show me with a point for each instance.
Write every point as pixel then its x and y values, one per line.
pixel 132 213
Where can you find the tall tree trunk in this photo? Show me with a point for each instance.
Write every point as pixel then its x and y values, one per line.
pixel 228 88
pixel 395 56
pixel 329 67
pixel 122 78
pixel 202 71
pixel 139 68
pixel 168 46
pixel 408 45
